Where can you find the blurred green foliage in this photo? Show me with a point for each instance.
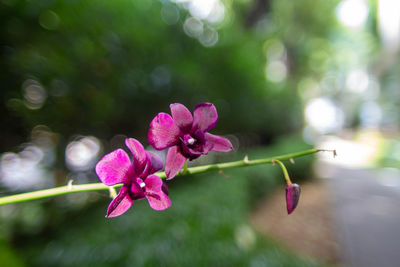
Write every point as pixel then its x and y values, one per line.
pixel 388 155
pixel 8 256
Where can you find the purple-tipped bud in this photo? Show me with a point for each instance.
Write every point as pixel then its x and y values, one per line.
pixel 292 197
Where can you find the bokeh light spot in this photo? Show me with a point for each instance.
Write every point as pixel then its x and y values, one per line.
pixel 23 171
pixel 170 14
pixel 81 155
pixel 193 27
pixel 276 71
pixel 357 81
pixel 323 115
pixel 352 13
pixel 34 94
pixel 209 37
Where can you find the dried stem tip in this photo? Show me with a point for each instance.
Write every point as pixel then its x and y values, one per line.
pixel 292 197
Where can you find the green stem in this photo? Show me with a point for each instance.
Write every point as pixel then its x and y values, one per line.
pixel 62 190
pixel 113 192
pixel 185 168
pixel 284 170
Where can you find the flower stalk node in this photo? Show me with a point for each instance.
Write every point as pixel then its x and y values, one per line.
pixel 113 192
pixel 334 152
pixel 69 184
pixel 223 173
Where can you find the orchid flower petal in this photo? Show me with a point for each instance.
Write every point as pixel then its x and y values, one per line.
pixel 182 117
pixel 163 132
pixel 175 161
pixel 205 116
pixel 154 164
pixel 164 188
pixel 200 136
pixel 220 143
pixel 138 153
pixel 158 200
pixel 120 204
pixel 114 168
pixel 292 197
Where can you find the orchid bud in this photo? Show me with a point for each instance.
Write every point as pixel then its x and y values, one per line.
pixel 292 197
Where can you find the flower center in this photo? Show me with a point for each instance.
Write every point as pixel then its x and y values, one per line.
pixel 142 184
pixel 189 140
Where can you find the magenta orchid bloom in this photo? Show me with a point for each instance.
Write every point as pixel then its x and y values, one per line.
pixel 137 178
pixel 186 135
pixel 292 197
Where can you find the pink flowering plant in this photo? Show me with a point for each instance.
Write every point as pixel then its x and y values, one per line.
pixel 186 137
pixel 137 177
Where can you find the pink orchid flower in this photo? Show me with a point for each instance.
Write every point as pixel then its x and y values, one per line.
pixel 137 178
pixel 185 135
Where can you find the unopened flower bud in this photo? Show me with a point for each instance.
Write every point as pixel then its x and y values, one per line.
pixel 292 197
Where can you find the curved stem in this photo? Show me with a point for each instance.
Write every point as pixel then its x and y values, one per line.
pixel 284 170
pixel 67 189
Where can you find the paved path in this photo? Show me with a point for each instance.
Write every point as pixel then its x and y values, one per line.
pixel 367 207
